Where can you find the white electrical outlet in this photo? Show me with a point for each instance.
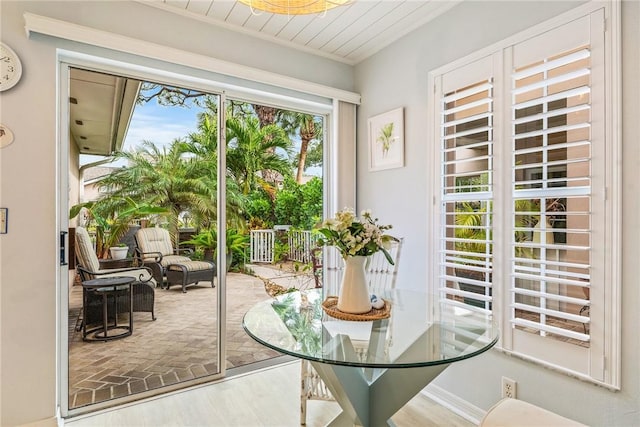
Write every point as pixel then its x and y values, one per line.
pixel 508 388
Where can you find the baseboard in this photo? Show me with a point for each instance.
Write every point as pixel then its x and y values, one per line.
pixel 47 422
pixel 454 403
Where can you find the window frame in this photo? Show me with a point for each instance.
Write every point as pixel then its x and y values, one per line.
pixel 608 348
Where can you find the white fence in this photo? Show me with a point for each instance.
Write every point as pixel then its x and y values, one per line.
pixel 262 243
pixel 300 244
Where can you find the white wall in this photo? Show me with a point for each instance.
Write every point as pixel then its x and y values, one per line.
pixel 28 169
pixel 397 76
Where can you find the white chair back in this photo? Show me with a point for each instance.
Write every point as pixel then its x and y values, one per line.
pixel 380 273
pixel 154 239
pixel 85 253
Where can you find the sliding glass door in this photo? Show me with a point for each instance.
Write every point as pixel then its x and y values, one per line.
pixel 143 165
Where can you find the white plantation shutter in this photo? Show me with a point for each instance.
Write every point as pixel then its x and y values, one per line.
pixel 551 185
pixel 524 219
pixel 466 152
pixel 556 294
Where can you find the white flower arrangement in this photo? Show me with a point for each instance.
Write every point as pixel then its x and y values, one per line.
pixel 354 236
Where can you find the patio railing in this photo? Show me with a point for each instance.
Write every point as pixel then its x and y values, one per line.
pixel 262 245
pixel 300 244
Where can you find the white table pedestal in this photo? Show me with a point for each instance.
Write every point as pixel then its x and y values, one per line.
pixel 373 403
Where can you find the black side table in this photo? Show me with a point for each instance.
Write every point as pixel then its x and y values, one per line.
pixel 107 287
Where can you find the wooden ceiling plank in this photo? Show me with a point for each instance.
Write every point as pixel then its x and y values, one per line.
pixel 351 17
pixel 238 15
pixel 368 20
pixel 319 25
pixel 294 26
pixel 220 9
pixel 396 29
pixel 201 7
pixel 258 21
pixel 351 33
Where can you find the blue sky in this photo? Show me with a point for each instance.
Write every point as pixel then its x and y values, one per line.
pixel 161 125
pixel 158 124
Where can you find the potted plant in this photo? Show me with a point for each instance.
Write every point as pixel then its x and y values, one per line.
pixel 207 240
pixel 112 218
pixel 356 239
pixel 237 243
pixel 119 251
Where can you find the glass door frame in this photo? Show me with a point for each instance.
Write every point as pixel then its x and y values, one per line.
pixel 67 60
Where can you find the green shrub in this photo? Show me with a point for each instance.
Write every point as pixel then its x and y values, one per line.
pixel 260 205
pixel 299 205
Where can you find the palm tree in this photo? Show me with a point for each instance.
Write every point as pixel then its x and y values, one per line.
pixel 252 151
pixel 203 146
pixel 165 178
pixel 267 116
pixel 309 128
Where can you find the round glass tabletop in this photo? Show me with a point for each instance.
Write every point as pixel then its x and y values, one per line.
pixel 296 324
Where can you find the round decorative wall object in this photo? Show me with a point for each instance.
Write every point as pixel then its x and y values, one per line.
pixel 10 68
pixel 6 136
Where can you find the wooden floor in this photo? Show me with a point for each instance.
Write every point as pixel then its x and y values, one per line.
pixel 269 397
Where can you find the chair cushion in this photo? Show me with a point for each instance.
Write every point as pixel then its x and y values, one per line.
pixel 174 259
pixel 154 239
pixel 191 266
pixel 84 250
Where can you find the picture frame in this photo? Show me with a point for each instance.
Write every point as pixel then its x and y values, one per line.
pixel 386 140
pixel 4 219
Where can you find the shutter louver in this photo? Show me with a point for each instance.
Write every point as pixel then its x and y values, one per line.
pixel 551 115
pixel 466 201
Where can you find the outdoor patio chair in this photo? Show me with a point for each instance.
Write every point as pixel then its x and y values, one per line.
pixel 88 266
pixel 155 249
pixel 381 277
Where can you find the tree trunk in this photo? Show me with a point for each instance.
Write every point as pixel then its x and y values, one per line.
pixel 307 132
pixel 302 159
pixel 267 116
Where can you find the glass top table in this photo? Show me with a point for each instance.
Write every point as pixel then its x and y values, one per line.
pixel 361 360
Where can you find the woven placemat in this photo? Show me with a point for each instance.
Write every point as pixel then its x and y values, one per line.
pixel 330 307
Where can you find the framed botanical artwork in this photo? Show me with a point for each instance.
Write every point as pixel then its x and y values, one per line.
pixel 386 140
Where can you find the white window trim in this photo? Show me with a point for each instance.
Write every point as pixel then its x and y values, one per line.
pixel 613 273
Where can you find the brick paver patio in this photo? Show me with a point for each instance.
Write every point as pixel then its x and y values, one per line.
pixel 180 345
